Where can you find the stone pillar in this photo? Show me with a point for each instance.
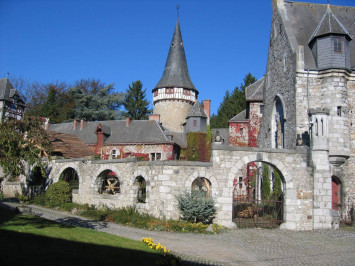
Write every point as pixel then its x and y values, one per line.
pixel 322 186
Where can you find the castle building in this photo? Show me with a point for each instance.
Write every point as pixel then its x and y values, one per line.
pixel 12 105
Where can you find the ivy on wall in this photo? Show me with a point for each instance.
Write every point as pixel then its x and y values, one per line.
pixel 197 147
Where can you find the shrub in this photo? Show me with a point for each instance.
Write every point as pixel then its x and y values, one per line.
pixel 196 207
pixel 69 206
pixel 58 193
pixel 39 200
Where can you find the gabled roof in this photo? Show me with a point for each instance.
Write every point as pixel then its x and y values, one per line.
pixel 303 19
pixel 5 89
pixel 176 73
pixel 223 132
pixel 197 111
pixel 241 117
pixel 329 24
pixel 254 92
pixel 137 132
pixel 69 145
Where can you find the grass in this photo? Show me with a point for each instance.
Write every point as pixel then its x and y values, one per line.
pixel 31 240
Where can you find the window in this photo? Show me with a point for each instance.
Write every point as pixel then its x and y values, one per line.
pixel 261 109
pixel 155 156
pixel 187 92
pixel 338 45
pixel 169 90
pixel 114 154
pixel 241 131
pixel 339 110
pixel 155 93
pixel 194 123
pixel 240 182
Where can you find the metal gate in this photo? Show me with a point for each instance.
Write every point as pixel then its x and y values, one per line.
pixel 249 213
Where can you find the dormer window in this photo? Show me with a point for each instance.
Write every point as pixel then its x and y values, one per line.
pixel 338 44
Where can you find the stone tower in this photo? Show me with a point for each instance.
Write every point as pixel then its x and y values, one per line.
pixel 175 94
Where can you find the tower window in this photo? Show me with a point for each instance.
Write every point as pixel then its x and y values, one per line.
pixel 195 123
pixel 339 110
pixel 261 109
pixel 169 90
pixel 338 45
pixel 155 93
pixel 187 92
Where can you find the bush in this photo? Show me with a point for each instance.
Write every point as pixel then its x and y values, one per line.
pixel 58 193
pixel 39 200
pixel 196 207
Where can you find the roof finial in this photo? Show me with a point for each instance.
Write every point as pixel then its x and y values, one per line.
pixel 8 74
pixel 177 9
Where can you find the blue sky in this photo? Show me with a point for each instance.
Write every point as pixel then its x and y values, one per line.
pixel 120 41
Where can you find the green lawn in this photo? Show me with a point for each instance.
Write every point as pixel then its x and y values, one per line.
pixel 30 240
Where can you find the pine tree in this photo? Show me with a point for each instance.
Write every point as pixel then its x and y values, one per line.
pixel 232 104
pixel 135 102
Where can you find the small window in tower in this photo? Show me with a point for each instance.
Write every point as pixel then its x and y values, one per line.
pixel 261 109
pixel 155 93
pixel 169 90
pixel 195 123
pixel 187 92
pixel 338 45
pixel 339 110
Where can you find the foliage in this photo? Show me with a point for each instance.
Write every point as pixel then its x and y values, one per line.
pixel 265 188
pixel 232 104
pixel 23 199
pixel 22 141
pixel 1 196
pixel 196 207
pixel 197 147
pixel 39 200
pixel 277 190
pixel 94 100
pixel 135 102
pixel 58 193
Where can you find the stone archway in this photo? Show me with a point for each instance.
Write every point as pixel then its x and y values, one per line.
pixel 70 176
pixel 108 182
pixel 258 196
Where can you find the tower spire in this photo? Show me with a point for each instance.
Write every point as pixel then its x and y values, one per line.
pixel 176 73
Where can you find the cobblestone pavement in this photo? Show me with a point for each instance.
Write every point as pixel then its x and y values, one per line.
pixel 236 247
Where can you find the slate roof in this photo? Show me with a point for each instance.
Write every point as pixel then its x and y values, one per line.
pixel 69 145
pixel 304 19
pixel 5 89
pixel 116 131
pixel 254 92
pixel 241 117
pixel 176 73
pixel 223 132
pixel 197 110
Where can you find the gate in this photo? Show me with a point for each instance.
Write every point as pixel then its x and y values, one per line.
pixel 249 213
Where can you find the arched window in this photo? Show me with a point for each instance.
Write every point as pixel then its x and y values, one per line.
pixel 336 193
pixel 277 125
pixel 202 184
pixel 141 192
pixel 109 183
pixel 69 175
pixel 316 128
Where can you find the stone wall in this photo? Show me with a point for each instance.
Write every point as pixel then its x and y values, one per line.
pixel 279 81
pixel 166 179
pixel 172 113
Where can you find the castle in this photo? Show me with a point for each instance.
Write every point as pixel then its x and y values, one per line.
pixel 299 121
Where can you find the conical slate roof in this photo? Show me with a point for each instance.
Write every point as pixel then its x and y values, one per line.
pixel 329 24
pixel 176 73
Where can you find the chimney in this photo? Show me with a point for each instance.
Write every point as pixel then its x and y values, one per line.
pixel 128 121
pixel 82 124
pixel 75 122
pixel 155 117
pixel 207 108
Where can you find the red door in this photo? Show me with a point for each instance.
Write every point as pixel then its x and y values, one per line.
pixel 335 196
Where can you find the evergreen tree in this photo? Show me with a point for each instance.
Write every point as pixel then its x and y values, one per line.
pixel 277 185
pixel 232 104
pixel 135 102
pixel 94 100
pixel 265 187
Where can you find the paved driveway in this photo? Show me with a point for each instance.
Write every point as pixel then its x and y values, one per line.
pixel 239 246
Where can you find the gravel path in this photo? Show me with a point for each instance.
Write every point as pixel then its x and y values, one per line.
pixel 235 247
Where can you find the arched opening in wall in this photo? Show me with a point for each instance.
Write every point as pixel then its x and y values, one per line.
pixel 141 185
pixel 203 185
pixel 36 181
pixel 108 183
pixel 70 175
pixel 278 125
pixel 336 194
pixel 258 196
